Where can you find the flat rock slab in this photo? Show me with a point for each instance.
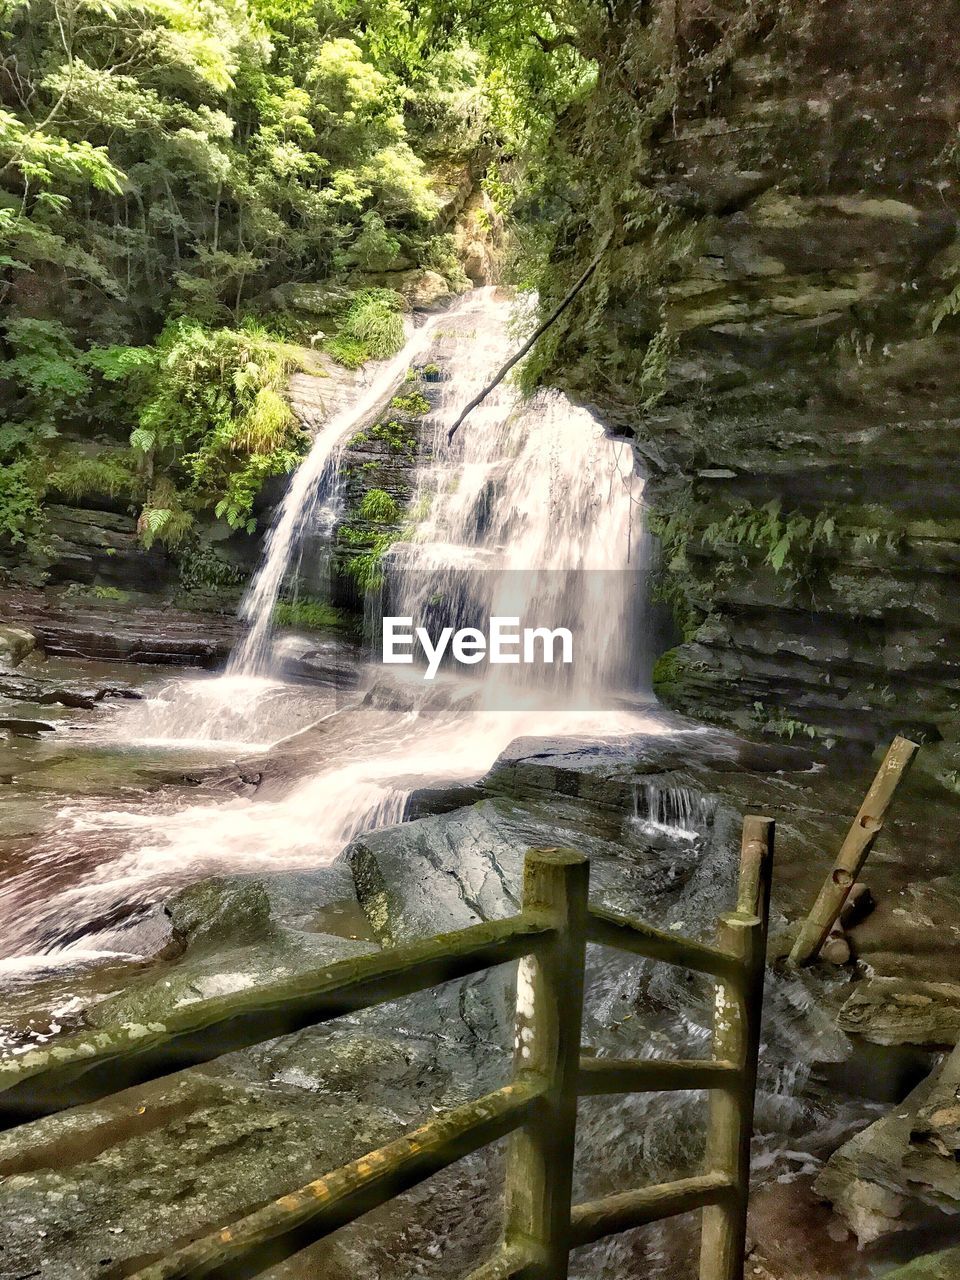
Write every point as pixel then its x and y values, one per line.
pixel 899 1011
pixel 117 633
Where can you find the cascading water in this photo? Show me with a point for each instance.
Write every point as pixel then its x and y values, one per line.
pixel 314 486
pixel 533 513
pixel 533 495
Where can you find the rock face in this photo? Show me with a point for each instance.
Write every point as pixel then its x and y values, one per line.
pixel 888 1175
pixel 115 632
pixel 801 453
pixel 892 1011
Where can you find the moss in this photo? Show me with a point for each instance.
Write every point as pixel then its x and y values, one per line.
pixel 313 615
pixel 77 476
pixel 667 671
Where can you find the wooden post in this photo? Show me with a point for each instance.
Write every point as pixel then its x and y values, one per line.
pixel 736 1039
pixel 853 852
pixel 549 1015
pixel 756 867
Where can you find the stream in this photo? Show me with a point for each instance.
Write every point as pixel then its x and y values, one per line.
pixel 533 512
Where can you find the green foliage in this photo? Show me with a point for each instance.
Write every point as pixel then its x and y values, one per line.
pixel 191 155
pixel 201 568
pixel 366 569
pixel 371 330
pixel 399 437
pixel 414 405
pixel 785 540
pixel 167 163
pixel 215 416
pixel 21 514
pixel 378 507
pixel 82 591
pixel 305 612
pixel 785 726
pixel 77 476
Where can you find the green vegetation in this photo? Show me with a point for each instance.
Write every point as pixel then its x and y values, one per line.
pixel 310 614
pixel 379 508
pixel 371 330
pixel 414 405
pixel 163 168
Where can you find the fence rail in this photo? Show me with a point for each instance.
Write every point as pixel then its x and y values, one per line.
pixel 538 1109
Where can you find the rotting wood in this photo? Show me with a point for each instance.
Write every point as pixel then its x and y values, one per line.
pixel 853 852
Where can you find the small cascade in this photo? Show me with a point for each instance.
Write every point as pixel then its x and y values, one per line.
pixel 311 505
pixel 533 512
pixel 678 810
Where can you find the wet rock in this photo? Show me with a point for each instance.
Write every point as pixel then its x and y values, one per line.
pixel 15 644
pixel 117 632
pixel 23 728
pixel 895 1174
pixel 334 664
pixel 944 1265
pixel 836 949
pixel 106 1188
pixel 900 1011
pixel 860 902
pixel 217 912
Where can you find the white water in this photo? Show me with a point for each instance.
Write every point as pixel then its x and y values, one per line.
pixel 312 485
pixel 532 512
pixel 535 495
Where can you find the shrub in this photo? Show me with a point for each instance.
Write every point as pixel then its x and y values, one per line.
pixel 372 326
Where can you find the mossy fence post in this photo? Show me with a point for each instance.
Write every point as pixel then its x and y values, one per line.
pixel 549 1015
pixel 736 1039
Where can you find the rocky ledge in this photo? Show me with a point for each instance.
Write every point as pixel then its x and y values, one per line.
pixel 659 815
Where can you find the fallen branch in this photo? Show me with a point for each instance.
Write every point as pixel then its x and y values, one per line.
pixel 538 332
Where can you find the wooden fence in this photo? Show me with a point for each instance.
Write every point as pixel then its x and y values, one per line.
pixel 539 1107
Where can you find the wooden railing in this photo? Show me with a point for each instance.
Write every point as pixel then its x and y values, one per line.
pixel 539 1107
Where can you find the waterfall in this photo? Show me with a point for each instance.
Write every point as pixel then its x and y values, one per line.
pixel 532 512
pixel 309 502
pixel 678 810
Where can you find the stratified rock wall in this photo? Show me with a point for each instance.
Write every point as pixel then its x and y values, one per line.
pixel 823 188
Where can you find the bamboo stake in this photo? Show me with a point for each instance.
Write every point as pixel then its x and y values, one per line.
pixel 549 1014
pixel 853 852
pixel 736 1038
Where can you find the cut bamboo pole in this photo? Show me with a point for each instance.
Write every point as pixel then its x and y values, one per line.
pixel 549 1014
pixel 853 852
pixel 629 1209
pixel 736 1038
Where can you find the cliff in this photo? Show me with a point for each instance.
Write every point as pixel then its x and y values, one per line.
pixel 802 435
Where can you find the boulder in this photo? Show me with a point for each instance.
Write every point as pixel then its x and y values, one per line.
pixel 898 1172
pixel 901 1011
pixel 15 644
